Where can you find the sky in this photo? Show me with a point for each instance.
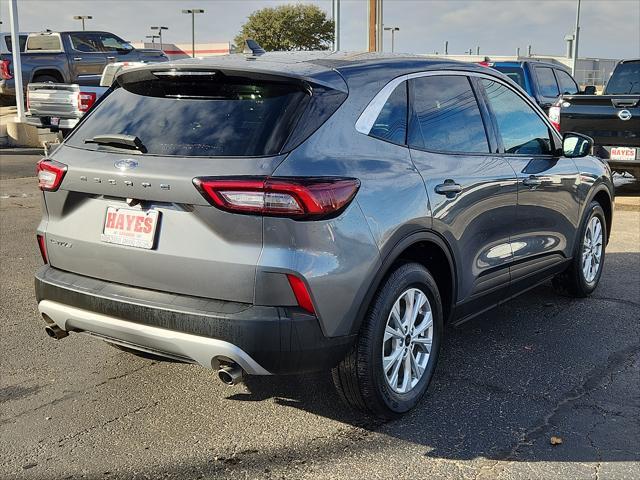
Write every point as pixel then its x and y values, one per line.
pixel 609 28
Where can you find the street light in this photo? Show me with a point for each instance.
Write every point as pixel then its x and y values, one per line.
pixel 193 12
pixel 160 29
pixel 83 18
pixel 153 39
pixel 393 31
pixel 576 39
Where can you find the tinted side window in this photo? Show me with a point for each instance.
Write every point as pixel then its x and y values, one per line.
pixel 391 124
pixel 446 116
pixel 85 42
pixel 523 131
pixel 547 82
pixel 567 85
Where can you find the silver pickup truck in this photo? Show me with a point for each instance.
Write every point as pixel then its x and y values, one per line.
pixel 60 106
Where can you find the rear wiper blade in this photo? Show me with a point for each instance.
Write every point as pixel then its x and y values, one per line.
pixel 118 140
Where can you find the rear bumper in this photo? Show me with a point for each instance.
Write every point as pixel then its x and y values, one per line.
pixel 45 122
pixel 262 340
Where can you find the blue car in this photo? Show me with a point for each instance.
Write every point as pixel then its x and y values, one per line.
pixel 543 81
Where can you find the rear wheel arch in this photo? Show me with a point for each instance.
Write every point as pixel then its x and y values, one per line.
pixel 423 247
pixel 602 195
pixel 47 73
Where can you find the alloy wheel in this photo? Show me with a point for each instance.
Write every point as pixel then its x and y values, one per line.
pixel 592 250
pixel 408 339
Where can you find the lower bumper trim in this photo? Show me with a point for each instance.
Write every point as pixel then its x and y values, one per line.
pixel 207 352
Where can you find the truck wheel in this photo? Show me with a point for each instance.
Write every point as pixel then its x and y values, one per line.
pixel 392 362
pixel 585 270
pixel 45 79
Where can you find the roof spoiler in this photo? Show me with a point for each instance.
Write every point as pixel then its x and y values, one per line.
pixel 251 47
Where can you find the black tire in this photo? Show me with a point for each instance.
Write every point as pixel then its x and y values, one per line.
pixel 572 281
pixel 359 378
pixel 45 79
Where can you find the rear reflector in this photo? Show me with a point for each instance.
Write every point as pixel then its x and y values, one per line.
pixel 5 74
pixel 50 174
pixel 312 197
pixel 86 100
pixel 43 248
pixel 301 293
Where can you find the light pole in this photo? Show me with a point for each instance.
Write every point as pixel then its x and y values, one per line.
pixel 336 25
pixel 193 12
pixel 83 18
pixel 160 29
pixel 575 41
pixel 153 39
pixel 393 31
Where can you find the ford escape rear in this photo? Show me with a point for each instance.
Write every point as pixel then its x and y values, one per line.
pixel 299 212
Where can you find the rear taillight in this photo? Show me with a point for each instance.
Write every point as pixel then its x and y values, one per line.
pixel 301 293
pixel 50 174
pixel 554 117
pixel 5 73
pixel 43 248
pixel 86 100
pixel 302 198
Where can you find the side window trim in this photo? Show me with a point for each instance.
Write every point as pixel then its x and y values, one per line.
pixel 372 110
pixel 490 125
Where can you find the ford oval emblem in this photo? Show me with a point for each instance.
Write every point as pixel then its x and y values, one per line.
pixel 624 115
pixel 126 164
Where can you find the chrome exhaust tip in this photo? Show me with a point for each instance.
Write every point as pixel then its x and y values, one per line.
pixel 54 331
pixel 230 375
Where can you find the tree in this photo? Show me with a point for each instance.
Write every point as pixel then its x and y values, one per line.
pixel 288 27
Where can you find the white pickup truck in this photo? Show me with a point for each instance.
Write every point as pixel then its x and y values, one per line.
pixel 60 106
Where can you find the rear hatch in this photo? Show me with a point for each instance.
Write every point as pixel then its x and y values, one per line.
pixel 128 212
pixel 612 120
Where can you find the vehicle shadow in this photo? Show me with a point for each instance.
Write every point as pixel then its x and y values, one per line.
pixel 541 365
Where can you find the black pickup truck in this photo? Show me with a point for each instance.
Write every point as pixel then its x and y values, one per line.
pixel 611 119
pixel 70 57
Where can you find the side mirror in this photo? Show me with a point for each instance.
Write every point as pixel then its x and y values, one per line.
pixel 576 145
pixel 590 90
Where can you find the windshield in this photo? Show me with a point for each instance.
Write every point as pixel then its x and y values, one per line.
pixel 514 73
pixel 625 79
pixel 192 116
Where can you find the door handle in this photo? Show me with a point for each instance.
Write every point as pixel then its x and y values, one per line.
pixel 532 181
pixel 448 188
pixel 111 58
pixel 77 58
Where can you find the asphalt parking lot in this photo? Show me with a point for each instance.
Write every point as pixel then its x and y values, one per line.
pixel 540 366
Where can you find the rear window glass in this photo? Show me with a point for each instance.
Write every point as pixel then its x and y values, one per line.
pixel 44 42
pixel 547 82
pixel 194 116
pixel 514 73
pixel 625 79
pixel 9 43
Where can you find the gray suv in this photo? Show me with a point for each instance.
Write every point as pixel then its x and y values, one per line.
pixel 288 213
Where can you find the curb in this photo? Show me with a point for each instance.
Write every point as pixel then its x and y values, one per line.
pixel 22 151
